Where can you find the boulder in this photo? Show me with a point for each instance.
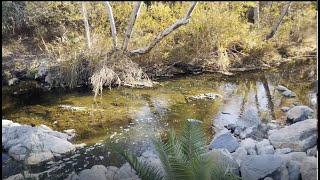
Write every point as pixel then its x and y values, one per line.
pixel 299 136
pixel 205 96
pixel 224 160
pixel 308 168
pixel 225 141
pixel 294 170
pixel 283 151
pixel 126 172
pixel 98 172
pixel 34 144
pixel 239 154
pixel 249 145
pixel 281 88
pixel 285 91
pixel 312 151
pixel 255 167
pixel 299 113
pixel 264 147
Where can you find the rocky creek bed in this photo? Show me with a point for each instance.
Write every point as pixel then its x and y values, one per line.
pixel 269 132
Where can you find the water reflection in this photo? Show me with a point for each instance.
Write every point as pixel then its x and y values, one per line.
pixel 131 117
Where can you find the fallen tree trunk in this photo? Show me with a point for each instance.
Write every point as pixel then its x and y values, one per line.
pixel 275 28
pixel 166 32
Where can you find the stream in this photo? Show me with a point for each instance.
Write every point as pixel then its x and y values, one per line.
pixel 130 118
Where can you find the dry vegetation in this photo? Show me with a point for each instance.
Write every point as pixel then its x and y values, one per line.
pixel 219 36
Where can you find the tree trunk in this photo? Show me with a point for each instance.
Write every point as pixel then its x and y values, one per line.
pixel 86 24
pixel 167 31
pixel 277 25
pixel 112 25
pixel 132 20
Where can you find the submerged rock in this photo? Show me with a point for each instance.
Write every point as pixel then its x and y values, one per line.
pixel 299 113
pixel 299 136
pixel 205 96
pixel 225 141
pixel 285 91
pixel 34 144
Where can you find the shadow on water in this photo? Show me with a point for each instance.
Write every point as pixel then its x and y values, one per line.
pixel 129 118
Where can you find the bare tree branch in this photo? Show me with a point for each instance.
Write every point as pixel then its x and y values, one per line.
pixel 132 20
pixel 275 28
pixel 112 25
pixel 167 31
pixel 86 23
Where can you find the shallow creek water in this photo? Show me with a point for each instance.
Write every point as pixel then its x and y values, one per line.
pixel 129 118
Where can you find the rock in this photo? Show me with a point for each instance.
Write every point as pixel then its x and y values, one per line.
pixel 255 167
pixel 293 156
pixel 289 94
pixel 152 159
pixel 205 96
pixel 16 177
pixel 224 160
pixel 264 147
pixel 285 91
pixel 268 178
pixel 249 145
pixel 299 113
pixel 225 141
pixel 299 136
pixel 312 151
pixel 308 168
pixel 231 127
pixel 293 170
pixel 249 118
pixel 70 132
pixel 98 172
pixel 258 132
pixel 33 144
pixel 283 151
pixel 13 81
pixel 281 88
pixel 126 172
pixel 239 154
pixel 285 109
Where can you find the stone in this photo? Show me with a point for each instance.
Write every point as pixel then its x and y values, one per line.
pixel 249 145
pixel 308 168
pixel 249 118
pixel 126 172
pixel 299 136
pixel 70 132
pixel 33 144
pixel 255 167
pixel 225 141
pixel 283 151
pixel 289 94
pixel 13 81
pixel 312 151
pixel 224 160
pixel 285 109
pixel 239 154
pixel 299 113
pixel 281 88
pixel 97 172
pixel 205 96
pixel 293 170
pixel 152 159
pixel 264 147
pixel 268 178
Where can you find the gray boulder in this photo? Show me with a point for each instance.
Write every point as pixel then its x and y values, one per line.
pixel 239 154
pixel 225 141
pixel 299 113
pixel 299 136
pixel 34 144
pixel 294 170
pixel 264 147
pixel 249 145
pixel 308 168
pixel 98 172
pixel 255 167
pixel 312 151
pixel 224 160
pixel 283 151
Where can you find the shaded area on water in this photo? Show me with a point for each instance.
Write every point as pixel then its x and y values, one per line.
pixel 130 117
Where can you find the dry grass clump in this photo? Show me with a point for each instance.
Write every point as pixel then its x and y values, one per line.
pixel 118 70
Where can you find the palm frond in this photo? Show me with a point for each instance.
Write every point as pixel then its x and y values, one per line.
pixel 144 171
